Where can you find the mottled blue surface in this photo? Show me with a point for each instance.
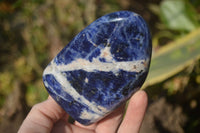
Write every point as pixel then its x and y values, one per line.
pixel 101 67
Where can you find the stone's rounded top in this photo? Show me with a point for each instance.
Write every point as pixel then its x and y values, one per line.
pixel 121 17
pixel 101 67
pixel 117 16
pixel 125 32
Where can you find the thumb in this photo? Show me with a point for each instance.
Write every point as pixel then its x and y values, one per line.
pixel 42 117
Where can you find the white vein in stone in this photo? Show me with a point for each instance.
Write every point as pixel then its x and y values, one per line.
pixel 110 66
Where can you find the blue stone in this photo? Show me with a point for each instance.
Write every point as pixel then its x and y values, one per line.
pixel 101 67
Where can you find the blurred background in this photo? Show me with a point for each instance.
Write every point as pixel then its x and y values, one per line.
pixel 33 32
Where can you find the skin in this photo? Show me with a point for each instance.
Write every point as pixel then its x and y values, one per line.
pixel 48 117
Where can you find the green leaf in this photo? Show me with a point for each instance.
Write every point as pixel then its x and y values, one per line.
pixel 178 15
pixel 174 57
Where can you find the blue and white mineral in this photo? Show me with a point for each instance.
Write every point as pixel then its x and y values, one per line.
pixel 101 67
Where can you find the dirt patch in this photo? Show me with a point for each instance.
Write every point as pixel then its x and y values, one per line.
pixel 162 117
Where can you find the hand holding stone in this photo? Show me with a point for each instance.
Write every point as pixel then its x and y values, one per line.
pixel 101 67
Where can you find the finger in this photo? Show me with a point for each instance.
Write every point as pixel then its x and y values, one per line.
pixel 135 113
pixel 89 127
pixel 63 127
pixel 42 117
pixel 111 123
pixel 108 124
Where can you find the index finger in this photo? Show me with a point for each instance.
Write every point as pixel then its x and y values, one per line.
pixel 135 113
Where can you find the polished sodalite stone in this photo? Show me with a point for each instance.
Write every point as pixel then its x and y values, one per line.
pixel 101 67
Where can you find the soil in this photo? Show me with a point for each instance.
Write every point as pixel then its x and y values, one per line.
pixel 162 117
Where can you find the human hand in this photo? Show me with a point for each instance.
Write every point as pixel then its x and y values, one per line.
pixel 48 117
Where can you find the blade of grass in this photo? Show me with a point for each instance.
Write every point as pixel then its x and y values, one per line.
pixel 174 57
